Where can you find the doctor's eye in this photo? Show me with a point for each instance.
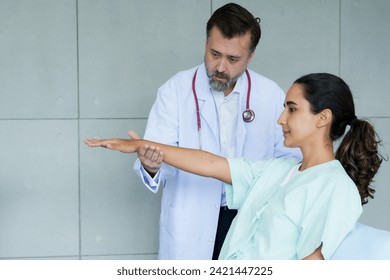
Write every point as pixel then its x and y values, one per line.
pixel 233 59
pixel 215 54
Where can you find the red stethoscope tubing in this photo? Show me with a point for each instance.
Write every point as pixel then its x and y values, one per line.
pixel 248 115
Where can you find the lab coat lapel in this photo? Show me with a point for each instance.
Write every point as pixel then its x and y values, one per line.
pixel 241 128
pixel 208 112
pixel 241 133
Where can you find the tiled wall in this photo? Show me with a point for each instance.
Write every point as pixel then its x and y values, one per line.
pixel 90 68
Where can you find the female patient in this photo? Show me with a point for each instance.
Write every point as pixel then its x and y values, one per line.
pixel 289 209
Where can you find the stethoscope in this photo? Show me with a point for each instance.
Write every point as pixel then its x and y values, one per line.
pixel 248 115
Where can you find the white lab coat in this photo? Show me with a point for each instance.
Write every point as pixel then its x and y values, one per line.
pixel 190 203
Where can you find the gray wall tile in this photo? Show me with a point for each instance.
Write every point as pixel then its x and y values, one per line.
pixel 365 54
pixel 118 214
pixel 122 257
pixel 39 188
pixel 126 54
pixel 38 69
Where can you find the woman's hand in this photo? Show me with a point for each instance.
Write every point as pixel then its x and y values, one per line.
pixel 121 145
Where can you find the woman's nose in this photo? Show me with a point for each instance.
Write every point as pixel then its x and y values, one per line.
pixel 282 119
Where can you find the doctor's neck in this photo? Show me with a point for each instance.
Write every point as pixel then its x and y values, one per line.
pixel 229 89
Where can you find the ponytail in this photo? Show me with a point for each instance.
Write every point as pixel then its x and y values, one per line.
pixel 358 153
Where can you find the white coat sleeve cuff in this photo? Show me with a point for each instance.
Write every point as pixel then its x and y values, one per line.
pixel 151 183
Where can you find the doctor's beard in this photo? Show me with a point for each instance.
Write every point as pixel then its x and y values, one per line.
pixel 221 86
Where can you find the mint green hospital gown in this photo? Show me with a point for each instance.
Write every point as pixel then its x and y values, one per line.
pixel 288 221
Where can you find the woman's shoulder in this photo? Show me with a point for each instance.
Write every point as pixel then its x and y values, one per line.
pixel 266 162
pixel 273 165
pixel 332 174
pixel 334 169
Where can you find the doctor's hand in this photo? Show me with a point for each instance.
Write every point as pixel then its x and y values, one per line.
pixel 150 157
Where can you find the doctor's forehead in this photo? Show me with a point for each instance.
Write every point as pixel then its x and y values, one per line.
pixel 235 46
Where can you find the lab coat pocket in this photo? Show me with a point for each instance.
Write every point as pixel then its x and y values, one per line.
pixel 174 233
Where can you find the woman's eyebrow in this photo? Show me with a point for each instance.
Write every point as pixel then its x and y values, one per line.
pixel 291 103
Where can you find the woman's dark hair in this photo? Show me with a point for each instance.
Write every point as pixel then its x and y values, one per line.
pixel 233 20
pixel 358 150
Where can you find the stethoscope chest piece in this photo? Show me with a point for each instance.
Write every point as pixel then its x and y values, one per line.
pixel 248 115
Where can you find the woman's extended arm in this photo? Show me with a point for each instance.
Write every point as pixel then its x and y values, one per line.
pixel 190 160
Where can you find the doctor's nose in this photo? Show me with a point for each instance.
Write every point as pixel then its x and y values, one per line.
pixel 221 65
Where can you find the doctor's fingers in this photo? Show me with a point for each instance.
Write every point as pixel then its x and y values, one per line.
pixel 150 155
pixel 151 165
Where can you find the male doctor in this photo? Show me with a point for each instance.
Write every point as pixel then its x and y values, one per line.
pixel 219 107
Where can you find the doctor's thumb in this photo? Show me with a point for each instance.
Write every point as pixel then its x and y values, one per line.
pixel 133 135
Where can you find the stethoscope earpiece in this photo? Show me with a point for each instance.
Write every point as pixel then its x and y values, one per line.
pixel 248 115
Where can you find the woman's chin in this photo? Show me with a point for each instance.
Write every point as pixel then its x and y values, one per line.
pixel 288 144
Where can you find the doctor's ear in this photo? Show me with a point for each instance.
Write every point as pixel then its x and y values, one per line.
pixel 250 57
pixel 325 118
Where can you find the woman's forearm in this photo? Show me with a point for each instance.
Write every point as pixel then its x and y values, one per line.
pixel 190 160
pixel 197 162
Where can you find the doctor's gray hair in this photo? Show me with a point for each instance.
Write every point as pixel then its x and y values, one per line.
pixel 233 20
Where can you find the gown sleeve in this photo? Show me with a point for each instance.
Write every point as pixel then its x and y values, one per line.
pixel 243 173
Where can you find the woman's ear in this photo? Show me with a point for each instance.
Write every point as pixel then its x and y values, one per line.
pixel 325 118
